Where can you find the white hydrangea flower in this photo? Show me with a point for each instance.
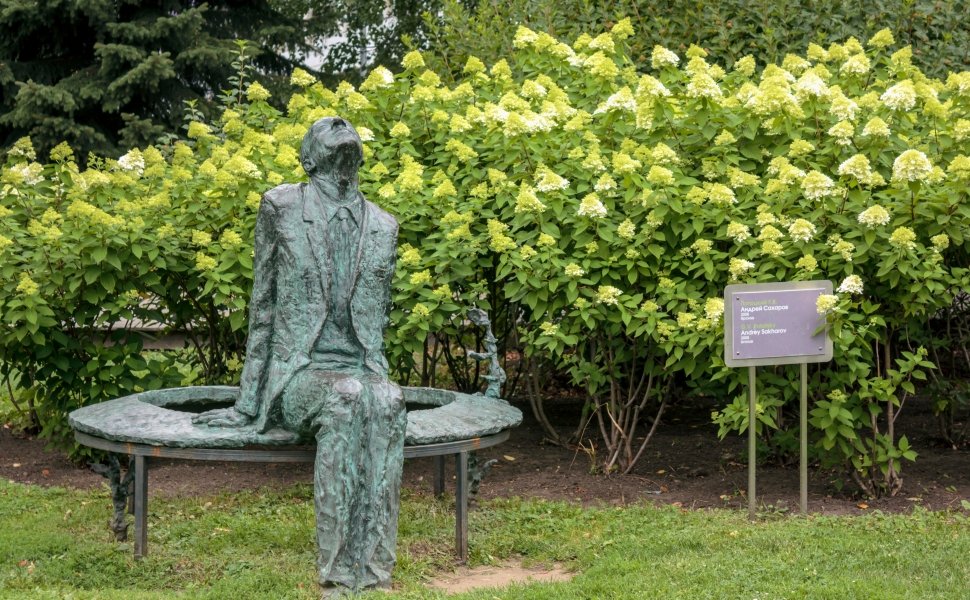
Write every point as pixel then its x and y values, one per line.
pixel 959 167
pixel 903 238
pixel 662 154
pixel 660 175
pixel 624 163
pixel 770 232
pixel 844 249
pixel 857 64
pixel 874 216
pixel 591 206
pixel 400 130
pixel 301 78
pixel 857 166
pixel 911 165
pixel 549 329
pixel 851 285
pixel 816 186
pixel 807 263
pixel 524 37
pixel 794 64
pixel 533 89
pixel 881 39
pixel 703 85
pixel 494 113
pixel 574 270
pixel 607 294
pixel 810 84
pixel 876 127
pixel 650 86
pixel 961 130
pixel 31 174
pixel 621 100
pixel 745 65
pixel 662 57
pixel 842 132
pixel 801 230
pixel 725 138
pixel 379 78
pixel 720 194
pixel 843 108
pixel 901 96
pixel 686 320
pixel 604 42
pixel 800 148
pixel 132 161
pixel 738 231
pixel 738 267
pixel 825 303
pixel 549 181
pixel 605 183
pixel 526 201
pixel 714 308
pixel 772 248
pixel 627 229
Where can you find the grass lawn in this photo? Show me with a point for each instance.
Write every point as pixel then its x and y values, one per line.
pixel 54 543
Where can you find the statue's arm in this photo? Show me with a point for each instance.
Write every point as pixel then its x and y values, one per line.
pixel 260 329
pixel 260 311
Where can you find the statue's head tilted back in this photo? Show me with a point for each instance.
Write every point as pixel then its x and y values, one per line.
pixel 332 149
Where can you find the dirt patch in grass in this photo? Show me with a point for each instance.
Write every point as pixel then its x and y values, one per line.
pixel 685 465
pixel 501 575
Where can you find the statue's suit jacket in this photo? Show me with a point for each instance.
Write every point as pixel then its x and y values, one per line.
pixel 291 291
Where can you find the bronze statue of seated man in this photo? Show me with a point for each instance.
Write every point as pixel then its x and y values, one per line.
pixel 315 364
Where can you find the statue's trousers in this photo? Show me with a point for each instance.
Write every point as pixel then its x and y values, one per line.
pixel 359 424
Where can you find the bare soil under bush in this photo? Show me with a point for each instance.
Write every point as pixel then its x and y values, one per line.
pixel 685 465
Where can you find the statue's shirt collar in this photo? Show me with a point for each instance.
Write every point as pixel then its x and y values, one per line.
pixel 328 208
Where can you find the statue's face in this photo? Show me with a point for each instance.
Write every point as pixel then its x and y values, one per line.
pixel 332 148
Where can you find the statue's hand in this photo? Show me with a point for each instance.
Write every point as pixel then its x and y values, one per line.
pixel 479 355
pixel 222 417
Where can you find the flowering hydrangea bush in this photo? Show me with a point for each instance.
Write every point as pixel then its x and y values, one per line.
pixel 599 205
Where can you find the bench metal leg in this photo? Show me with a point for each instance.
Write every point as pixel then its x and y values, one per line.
pixel 461 506
pixel 130 486
pixel 141 506
pixel 439 476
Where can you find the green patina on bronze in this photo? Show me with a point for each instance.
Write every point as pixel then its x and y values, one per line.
pixel 164 418
pixel 315 368
pixel 315 364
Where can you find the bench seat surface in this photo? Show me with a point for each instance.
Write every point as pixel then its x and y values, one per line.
pixel 164 418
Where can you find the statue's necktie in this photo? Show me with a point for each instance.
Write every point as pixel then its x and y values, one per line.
pixel 343 247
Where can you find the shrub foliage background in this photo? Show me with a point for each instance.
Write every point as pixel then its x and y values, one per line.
pixel 596 209
pixel 938 31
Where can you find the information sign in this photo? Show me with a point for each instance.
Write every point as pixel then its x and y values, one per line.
pixel 775 324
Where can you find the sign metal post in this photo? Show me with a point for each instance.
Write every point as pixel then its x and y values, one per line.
pixel 776 324
pixel 752 442
pixel 803 427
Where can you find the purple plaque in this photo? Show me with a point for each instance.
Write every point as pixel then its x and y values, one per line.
pixel 775 323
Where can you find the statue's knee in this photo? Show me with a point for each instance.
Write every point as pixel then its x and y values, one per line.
pixel 348 388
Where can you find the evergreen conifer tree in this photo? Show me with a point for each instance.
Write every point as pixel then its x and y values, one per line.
pixel 107 75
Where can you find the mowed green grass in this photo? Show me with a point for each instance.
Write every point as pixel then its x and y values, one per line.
pixel 54 544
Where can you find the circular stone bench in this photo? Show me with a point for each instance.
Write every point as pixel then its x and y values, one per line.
pixel 158 424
